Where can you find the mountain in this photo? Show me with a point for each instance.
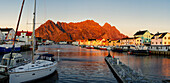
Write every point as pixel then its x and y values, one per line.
pixel 88 29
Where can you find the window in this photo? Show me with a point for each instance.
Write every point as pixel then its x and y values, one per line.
pixel 22 36
pixel 165 37
pixel 152 42
pixel 160 42
pixel 168 37
pixel 164 42
pixel 156 43
pixel 169 43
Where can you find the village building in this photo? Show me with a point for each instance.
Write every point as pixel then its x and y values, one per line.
pixel 6 34
pixel 24 36
pixel 161 39
pixel 145 36
pixel 131 41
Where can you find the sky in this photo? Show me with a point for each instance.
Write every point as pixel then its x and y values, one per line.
pixel 129 16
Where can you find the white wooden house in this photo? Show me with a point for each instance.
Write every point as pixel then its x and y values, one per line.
pixel 131 41
pixel 7 33
pixel 24 36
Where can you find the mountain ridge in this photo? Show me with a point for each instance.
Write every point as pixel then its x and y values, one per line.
pixel 88 29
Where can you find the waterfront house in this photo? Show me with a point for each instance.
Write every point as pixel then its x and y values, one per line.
pixel 112 42
pixel 117 43
pixel 7 33
pixel 161 39
pixel 1 37
pixel 145 36
pixel 24 36
pixel 160 42
pixel 131 41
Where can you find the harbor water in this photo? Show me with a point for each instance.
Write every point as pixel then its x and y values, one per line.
pixel 78 64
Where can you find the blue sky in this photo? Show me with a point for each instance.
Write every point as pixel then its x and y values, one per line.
pixel 128 16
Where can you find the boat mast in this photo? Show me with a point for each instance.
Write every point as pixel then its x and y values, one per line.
pixel 33 34
pixel 16 32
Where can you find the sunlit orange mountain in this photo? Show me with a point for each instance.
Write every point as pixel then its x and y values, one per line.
pixel 88 29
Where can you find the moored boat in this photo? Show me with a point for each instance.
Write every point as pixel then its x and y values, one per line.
pixel 42 67
pixel 103 48
pixel 6 48
pixel 90 47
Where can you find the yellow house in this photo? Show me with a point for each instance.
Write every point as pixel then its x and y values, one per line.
pixel 131 41
pixel 145 36
pixel 165 38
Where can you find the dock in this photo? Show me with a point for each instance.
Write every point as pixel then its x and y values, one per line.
pixel 125 74
pixel 160 53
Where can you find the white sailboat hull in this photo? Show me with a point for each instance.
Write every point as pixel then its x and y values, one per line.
pixel 18 77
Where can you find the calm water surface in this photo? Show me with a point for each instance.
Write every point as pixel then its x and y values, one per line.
pixel 87 65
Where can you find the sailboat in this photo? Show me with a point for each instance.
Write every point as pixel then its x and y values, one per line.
pixel 42 67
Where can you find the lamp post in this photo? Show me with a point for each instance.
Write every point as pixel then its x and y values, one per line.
pixel 58 55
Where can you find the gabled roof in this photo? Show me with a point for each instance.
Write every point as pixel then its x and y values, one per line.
pixel 27 33
pixel 5 29
pixel 91 39
pixel 163 34
pixel 140 32
pixel 157 34
pixel 130 38
pixel 127 38
pixel 151 33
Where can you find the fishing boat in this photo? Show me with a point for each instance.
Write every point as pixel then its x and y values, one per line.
pixel 103 48
pixel 45 65
pixel 90 47
pixel 6 48
pixel 140 50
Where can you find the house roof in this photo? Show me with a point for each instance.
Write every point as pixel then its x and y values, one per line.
pixel 130 38
pixel 157 34
pixel 126 38
pixel 151 33
pixel 5 29
pixel 91 39
pixel 140 32
pixel 163 34
pixel 27 33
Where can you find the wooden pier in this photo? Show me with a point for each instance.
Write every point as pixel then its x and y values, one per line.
pixel 124 74
pixel 160 52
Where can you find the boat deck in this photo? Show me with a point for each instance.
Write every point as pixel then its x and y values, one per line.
pixel 39 64
pixel 125 74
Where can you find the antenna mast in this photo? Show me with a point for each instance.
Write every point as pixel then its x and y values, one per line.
pixel 16 32
pixel 33 34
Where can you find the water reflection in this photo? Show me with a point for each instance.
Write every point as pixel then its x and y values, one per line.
pixel 88 65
